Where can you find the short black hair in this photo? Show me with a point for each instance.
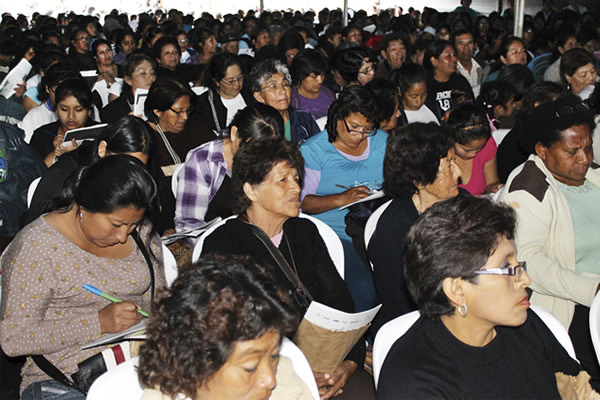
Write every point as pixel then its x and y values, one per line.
pixel 307 62
pixel 217 67
pixel 354 99
pixel 412 157
pixel 349 61
pixel 390 37
pixel 572 60
pixel 452 239
pixel 435 49
pixel 163 93
pixel 408 75
pixel 162 42
pixel 386 96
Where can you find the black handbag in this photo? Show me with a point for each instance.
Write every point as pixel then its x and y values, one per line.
pixel 91 368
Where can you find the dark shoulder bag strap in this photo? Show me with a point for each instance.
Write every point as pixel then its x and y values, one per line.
pixel 278 257
pixel 136 236
pixel 53 372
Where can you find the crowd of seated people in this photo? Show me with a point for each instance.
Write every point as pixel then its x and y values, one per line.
pixel 478 143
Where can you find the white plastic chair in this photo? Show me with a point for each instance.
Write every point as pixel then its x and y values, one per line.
pixel 200 242
pixel 121 382
pixel 557 329
pixel 174 179
pixel 387 336
pixel 31 191
pixel 372 224
pixel 322 122
pixel 332 241
pixel 595 324
pixel 170 264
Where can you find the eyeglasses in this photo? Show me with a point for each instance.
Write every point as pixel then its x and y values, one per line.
pixel 231 81
pixel 83 39
pixel 274 86
pixel 517 270
pixel 187 111
pixel 182 40
pixel 372 132
pixel 367 70
pixel 568 110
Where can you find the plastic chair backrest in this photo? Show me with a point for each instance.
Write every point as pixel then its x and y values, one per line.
pixel 200 242
pixel 121 382
pixel 372 224
pixel 174 178
pixel 332 241
pixel 31 190
pixel 301 366
pixel 595 324
pixel 557 329
pixel 387 336
pixel 170 264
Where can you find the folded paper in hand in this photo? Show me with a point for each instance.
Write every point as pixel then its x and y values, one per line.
pixel 327 335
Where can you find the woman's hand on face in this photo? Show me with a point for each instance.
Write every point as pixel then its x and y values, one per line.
pixel 332 385
pixel 352 195
pixel 117 317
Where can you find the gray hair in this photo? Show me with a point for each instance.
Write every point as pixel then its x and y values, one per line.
pixel 263 71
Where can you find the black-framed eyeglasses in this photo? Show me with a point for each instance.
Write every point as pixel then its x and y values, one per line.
pixel 187 111
pixel 231 81
pixel 516 270
pixel 370 133
pixel 569 110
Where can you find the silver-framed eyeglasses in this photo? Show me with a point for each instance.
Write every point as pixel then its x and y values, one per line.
pixel 273 86
pixel 516 270
pixel 372 132
pixel 231 81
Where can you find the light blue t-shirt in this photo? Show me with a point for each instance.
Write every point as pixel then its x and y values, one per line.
pixel 336 168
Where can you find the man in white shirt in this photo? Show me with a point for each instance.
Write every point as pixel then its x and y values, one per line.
pixel 466 65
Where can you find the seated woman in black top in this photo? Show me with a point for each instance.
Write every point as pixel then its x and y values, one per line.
pixel 73 99
pixel 266 180
pixel 139 74
pixel 476 338
pixel 419 170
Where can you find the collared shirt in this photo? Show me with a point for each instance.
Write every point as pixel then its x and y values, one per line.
pixel 198 183
pixel 475 76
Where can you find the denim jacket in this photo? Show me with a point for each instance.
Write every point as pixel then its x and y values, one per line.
pixel 19 165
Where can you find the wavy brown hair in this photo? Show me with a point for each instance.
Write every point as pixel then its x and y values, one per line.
pixel 196 323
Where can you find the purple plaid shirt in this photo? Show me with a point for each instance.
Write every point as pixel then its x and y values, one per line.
pixel 198 182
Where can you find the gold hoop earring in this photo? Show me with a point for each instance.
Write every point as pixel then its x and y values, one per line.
pixel 462 310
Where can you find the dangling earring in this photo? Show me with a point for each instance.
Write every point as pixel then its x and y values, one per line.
pixel 80 216
pixel 462 310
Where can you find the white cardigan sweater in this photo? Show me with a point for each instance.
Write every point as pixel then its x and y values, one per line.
pixel 546 241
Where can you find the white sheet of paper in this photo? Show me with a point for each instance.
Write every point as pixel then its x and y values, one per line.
pixel 335 320
pixel 14 77
pixel 137 331
pixel 376 194
pixel 139 101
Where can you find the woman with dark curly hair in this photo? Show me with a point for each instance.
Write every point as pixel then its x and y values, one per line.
pixel 216 333
pixel 265 188
pixel 343 165
pixel 419 170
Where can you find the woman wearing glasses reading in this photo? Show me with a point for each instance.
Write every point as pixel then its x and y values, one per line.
pixel 344 163
pixel 177 131
pixel 476 337
pixel 224 98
